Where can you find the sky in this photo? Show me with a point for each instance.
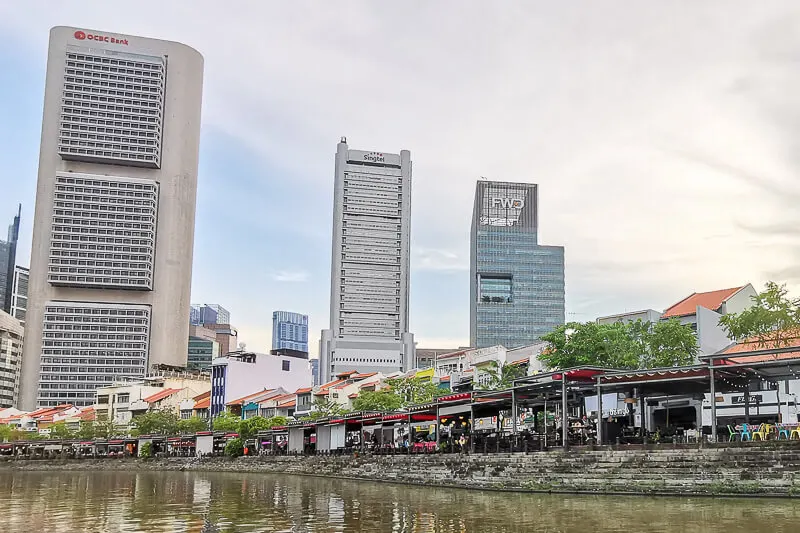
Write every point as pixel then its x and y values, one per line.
pixel 663 135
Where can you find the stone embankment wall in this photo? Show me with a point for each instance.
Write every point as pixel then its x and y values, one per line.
pixel 758 470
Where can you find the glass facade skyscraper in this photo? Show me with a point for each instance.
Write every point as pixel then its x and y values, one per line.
pixel 516 285
pixel 289 331
pixel 8 260
pixel 208 314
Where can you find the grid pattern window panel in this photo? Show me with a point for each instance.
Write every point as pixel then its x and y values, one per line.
pixel 87 346
pixel 112 108
pixel 103 232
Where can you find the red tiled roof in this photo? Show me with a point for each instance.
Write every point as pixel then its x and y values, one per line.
pixel 245 399
pixel 202 396
pixel 341 386
pixel 347 373
pixel 364 376
pixel 330 384
pixel 88 414
pixel 783 339
pixel 710 300
pixel 160 395
pixel 524 360
pixel 290 403
pixel 370 384
pixel 354 395
pixel 304 390
pixel 205 403
pixel 279 398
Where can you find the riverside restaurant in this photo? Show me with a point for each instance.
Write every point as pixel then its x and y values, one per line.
pixel 746 397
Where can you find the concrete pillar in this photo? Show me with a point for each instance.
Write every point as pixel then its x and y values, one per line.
pixel 599 413
pixel 713 390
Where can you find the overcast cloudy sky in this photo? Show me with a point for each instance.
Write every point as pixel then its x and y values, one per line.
pixel 664 136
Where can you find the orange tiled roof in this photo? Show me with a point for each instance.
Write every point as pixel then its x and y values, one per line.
pixel 364 376
pixel 205 403
pixel 330 384
pixel 202 396
pixel 160 395
pixel 710 300
pixel 290 403
pixel 279 398
pixel 354 395
pixel 88 414
pixel 786 339
pixel 522 361
pixel 304 390
pixel 245 399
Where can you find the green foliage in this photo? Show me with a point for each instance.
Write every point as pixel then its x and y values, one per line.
pixel 192 425
pixel 234 448
pixel 414 391
pixel 250 427
pixel 772 321
pixel 146 450
pixel 59 430
pixel 11 434
pixel 155 423
pixel 86 430
pixel 325 407
pixel 105 429
pixel 620 345
pixel 384 401
pixel 226 421
pixel 501 377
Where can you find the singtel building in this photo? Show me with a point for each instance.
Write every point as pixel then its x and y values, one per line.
pixel 115 206
pixel 517 285
pixel 369 265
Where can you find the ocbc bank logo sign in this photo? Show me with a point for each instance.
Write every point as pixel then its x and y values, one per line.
pixel 83 36
pixel 508 203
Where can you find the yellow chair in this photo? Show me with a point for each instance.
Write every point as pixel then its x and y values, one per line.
pixel 762 432
pixel 795 431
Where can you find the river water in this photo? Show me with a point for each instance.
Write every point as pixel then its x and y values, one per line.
pixel 156 502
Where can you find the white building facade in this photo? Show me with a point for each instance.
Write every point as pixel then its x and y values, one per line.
pixel 11 335
pixel 369 265
pixel 114 220
pixel 241 373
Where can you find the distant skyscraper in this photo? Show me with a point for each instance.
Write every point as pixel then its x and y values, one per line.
pixel 8 260
pixel 113 229
pixel 19 294
pixel 516 285
pixel 201 314
pixel 369 270
pixel 203 348
pixel 314 371
pixel 289 330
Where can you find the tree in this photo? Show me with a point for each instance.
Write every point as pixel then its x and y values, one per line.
pixel 105 429
pixel 226 421
pixel 249 427
pixel 155 423
pixel 501 377
pixel 414 391
pixel 772 322
pixel 384 401
pixel 59 430
pixel 667 343
pixel 590 344
pixel 234 448
pixel 192 425
pixel 325 407
pixel 147 450
pixel 620 345
pixel 86 431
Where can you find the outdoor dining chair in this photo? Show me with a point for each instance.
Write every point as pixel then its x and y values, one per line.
pixel 733 435
pixel 783 431
pixel 761 432
pixel 746 432
pixel 795 431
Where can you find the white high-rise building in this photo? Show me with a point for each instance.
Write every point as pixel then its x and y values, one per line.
pixel 369 265
pixel 113 228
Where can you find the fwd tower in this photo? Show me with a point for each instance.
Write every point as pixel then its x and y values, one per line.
pixel 369 265
pixel 114 220
pixel 516 284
